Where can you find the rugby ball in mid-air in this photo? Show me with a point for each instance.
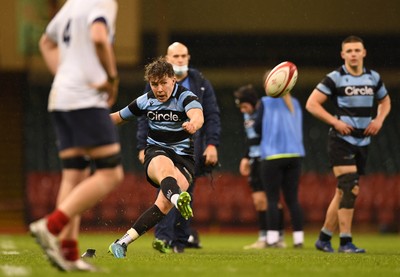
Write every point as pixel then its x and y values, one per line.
pixel 281 79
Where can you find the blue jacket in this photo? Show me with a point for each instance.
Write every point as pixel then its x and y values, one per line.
pixel 210 132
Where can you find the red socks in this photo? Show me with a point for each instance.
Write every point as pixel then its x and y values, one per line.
pixel 56 222
pixel 69 248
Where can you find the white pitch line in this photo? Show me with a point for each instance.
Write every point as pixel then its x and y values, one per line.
pixel 8 247
pixel 7 244
pixel 10 252
pixel 11 270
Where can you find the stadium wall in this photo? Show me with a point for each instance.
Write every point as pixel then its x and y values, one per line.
pixel 223 201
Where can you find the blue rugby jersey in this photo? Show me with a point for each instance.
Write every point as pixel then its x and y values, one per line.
pixel 165 119
pixel 353 99
pixel 282 131
pixel 253 138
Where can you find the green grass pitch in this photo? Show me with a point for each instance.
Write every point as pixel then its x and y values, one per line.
pixel 222 255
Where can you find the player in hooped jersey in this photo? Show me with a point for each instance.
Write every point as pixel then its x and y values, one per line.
pixel 174 115
pixel 173 234
pixel 352 88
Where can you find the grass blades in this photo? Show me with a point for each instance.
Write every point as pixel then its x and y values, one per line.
pixel 221 255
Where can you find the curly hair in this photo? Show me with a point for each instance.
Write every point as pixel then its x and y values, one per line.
pixel 158 69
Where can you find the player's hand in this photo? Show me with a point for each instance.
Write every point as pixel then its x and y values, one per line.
pixel 373 128
pixel 211 155
pixel 343 128
pixel 141 156
pixel 244 167
pixel 189 127
pixel 110 86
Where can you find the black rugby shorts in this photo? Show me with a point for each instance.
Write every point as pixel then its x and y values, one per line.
pixel 254 179
pixel 184 163
pixel 341 152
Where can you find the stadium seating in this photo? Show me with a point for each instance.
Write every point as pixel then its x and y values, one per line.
pixel 223 201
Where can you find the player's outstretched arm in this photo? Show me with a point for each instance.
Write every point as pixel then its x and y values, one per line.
pixel 196 120
pixel 117 119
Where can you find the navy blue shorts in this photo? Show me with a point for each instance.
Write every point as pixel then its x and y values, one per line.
pixel 343 153
pixel 184 163
pixel 84 128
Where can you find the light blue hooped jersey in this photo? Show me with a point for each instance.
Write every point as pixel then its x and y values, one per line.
pixel 253 137
pixel 165 119
pixel 353 98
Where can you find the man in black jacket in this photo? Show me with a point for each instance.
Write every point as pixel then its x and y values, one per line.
pixel 173 233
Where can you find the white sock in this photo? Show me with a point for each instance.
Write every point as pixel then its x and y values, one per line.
pixel 130 236
pixel 174 200
pixel 272 237
pixel 298 237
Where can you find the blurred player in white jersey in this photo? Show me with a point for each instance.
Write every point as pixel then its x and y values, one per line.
pixel 77 49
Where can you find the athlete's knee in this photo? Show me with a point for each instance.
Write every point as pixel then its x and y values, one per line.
pixel 79 163
pixel 259 201
pixel 260 204
pixel 348 187
pixel 111 161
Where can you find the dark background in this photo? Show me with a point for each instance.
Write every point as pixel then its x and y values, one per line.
pixel 384 152
pixel 232 42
